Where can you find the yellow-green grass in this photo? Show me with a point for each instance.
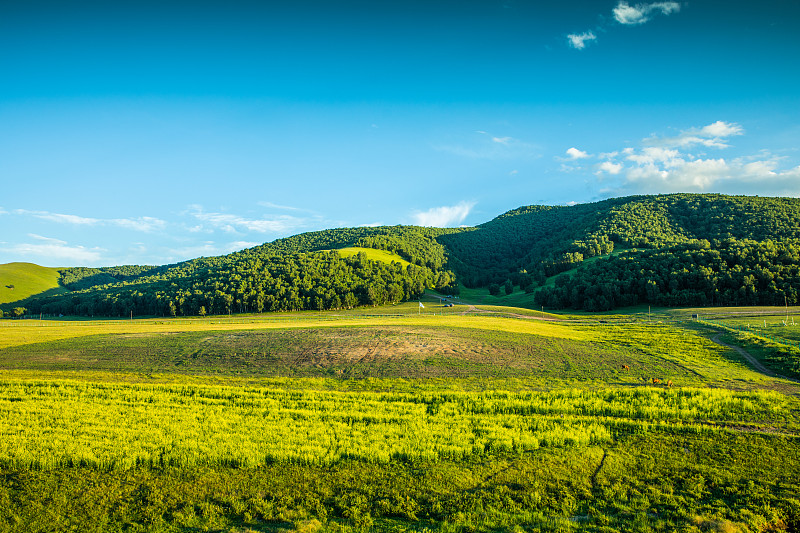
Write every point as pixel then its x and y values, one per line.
pixel 33 331
pixel 27 279
pixel 518 311
pixel 55 424
pixel 506 353
pixel 373 255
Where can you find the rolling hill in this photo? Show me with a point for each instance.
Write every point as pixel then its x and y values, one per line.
pixel 22 280
pixel 672 250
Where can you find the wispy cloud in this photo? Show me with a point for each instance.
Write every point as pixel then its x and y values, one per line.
pixel 208 249
pixel 54 252
pixel 444 216
pixel 671 164
pixel 270 205
pixel 713 136
pixel 145 224
pixel 626 15
pixel 59 218
pixel 641 13
pixel 579 40
pixel 235 224
pixel 483 145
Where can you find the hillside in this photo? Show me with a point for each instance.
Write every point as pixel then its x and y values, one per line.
pixel 669 250
pixel 21 280
pixel 680 249
pixel 549 239
pixel 304 272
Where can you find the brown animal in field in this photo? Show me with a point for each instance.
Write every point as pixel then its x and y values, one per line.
pixel 656 381
pixel 625 367
pixel 669 383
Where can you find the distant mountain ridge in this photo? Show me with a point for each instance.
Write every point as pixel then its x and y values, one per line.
pixel 677 249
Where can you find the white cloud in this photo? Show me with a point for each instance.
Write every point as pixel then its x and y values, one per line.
pixel 270 205
pixel 609 168
pixel 145 224
pixel 717 175
pixel 712 136
pixel 641 13
pixel 59 218
pixel 664 165
pixel 574 153
pixel 54 252
pixel 627 15
pixel 578 41
pixel 502 140
pixel 444 216
pixel 513 172
pixel 721 129
pixel 234 223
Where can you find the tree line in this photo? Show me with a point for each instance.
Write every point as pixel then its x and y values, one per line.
pixel 306 281
pixel 697 273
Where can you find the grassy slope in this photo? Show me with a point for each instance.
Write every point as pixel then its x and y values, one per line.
pixel 374 255
pixel 28 279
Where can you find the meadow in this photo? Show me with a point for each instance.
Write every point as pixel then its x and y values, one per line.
pixel 21 280
pixel 392 421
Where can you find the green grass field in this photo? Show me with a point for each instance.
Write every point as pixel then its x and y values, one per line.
pixel 21 280
pixel 392 419
pixel 373 255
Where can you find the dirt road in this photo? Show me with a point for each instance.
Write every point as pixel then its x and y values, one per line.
pixel 752 360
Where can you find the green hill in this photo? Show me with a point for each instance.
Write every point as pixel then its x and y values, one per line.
pixel 546 240
pixel 670 250
pixel 296 273
pixel 21 280
pixel 666 250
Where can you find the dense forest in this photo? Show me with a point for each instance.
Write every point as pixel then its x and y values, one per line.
pixel 673 250
pixel 678 249
pixel 297 273
pixel 697 273
pixel 546 240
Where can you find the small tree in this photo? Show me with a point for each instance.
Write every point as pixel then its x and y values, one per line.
pixel 509 287
pixel 18 312
pixel 202 311
pixel 494 289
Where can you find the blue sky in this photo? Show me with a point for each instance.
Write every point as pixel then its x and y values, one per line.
pixel 153 132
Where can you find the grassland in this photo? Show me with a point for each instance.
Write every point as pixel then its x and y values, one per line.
pixel 392 421
pixel 373 255
pixel 21 280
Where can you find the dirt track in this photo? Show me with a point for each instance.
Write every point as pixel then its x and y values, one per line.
pixel 472 309
pixel 753 361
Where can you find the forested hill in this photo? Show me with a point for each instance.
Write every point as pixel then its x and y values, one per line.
pixel 680 249
pixel 295 273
